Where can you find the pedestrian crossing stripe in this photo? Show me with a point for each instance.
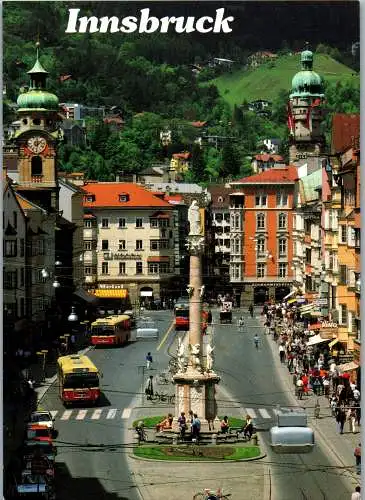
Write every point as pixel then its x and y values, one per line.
pixel 125 413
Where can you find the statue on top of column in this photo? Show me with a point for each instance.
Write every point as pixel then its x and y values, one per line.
pixel 194 219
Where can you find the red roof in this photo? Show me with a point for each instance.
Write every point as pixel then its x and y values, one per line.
pixel 268 157
pixel 198 124
pixel 345 127
pixel 285 175
pixel 107 195
pixel 182 156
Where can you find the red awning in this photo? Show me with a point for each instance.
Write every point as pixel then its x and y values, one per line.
pixel 159 258
pixel 315 326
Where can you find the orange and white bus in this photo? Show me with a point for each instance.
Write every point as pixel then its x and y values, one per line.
pixel 78 379
pixel 112 330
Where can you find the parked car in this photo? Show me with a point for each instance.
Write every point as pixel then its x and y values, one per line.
pixel 36 430
pixel 146 329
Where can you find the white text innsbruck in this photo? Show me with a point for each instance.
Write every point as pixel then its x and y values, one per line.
pixel 148 24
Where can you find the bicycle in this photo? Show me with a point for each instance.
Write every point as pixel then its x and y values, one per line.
pixel 208 494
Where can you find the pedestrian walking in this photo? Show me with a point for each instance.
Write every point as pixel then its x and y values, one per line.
pixel 149 387
pixel 340 419
pixel 196 428
pixel 282 353
pixel 209 317
pixel 182 425
pixel 149 360
pixel 356 494
pixel 351 418
pixel 250 310
pixel 357 455
pixel 300 388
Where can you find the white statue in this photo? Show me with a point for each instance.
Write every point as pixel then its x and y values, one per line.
pixel 202 290
pixel 195 359
pixel 181 355
pixel 194 219
pixel 210 350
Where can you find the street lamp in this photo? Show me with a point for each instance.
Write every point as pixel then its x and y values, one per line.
pixel 45 274
pixel 73 316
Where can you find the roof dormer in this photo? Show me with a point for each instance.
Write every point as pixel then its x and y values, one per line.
pixel 123 197
pixel 89 198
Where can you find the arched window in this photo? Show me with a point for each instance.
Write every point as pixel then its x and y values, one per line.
pixel 260 221
pixel 282 221
pixel 37 168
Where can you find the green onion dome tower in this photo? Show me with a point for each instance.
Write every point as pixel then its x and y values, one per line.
pixel 304 110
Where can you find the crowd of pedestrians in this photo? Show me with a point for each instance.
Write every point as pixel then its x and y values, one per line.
pixel 313 369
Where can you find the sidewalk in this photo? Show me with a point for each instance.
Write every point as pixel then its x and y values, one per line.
pixel 338 447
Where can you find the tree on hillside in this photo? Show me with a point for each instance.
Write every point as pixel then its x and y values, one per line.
pixel 197 164
pixel 231 162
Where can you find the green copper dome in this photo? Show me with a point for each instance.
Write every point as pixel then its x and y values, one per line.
pixel 37 99
pixel 307 82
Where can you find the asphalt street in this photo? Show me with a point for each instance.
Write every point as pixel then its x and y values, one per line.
pixel 92 442
pixel 249 375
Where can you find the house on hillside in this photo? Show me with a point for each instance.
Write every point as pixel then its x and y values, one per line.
pixel 74 133
pixel 220 61
pixel 266 161
pixel 258 58
pixel 180 162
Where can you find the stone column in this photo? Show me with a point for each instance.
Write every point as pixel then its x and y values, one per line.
pixel 195 309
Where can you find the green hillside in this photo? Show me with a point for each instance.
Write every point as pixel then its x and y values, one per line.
pixel 265 81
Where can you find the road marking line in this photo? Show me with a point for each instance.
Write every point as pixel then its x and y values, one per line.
pixel 166 335
pixel 251 412
pixel 54 413
pixel 264 413
pixel 111 413
pixel 96 415
pixel 126 412
pixel 66 415
pixel 81 415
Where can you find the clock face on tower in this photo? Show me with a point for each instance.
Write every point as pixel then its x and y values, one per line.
pixel 37 144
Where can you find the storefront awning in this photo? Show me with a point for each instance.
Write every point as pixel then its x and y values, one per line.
pixel 348 367
pixel 111 293
pixel 159 258
pixel 84 295
pixel 332 343
pixel 316 339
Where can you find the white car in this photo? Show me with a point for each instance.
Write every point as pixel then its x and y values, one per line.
pixel 42 418
pixel 147 330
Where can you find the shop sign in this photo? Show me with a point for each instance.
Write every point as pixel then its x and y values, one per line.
pixel 321 302
pixel 329 324
pixel 122 256
pixel 345 358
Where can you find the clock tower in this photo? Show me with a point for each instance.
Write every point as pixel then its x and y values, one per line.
pixel 36 138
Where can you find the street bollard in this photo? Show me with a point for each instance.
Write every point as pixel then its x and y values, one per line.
pixel 214 439
pixel 255 439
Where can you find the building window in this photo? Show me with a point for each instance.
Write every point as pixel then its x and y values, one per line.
pixel 22 276
pixel 88 270
pixel 282 247
pixel 139 222
pixel 87 223
pixel 261 200
pixel 282 270
pixel 308 256
pixel 122 245
pixel 226 217
pixel 343 234
pixel 105 244
pixel 159 244
pixel 36 166
pixel 87 245
pixel 105 268
pixel 236 271
pixel 139 268
pixel 139 244
pixel 260 221
pixel 351 236
pixel 121 267
pixel 104 223
pixel 344 314
pixel 282 221
pixel 260 246
pixel 10 280
pixel 164 267
pixel 159 223
pixel 10 249
pixel 307 226
pixel 153 268
pixel 343 275
pixel 22 247
pixel 121 223
pixel 261 270
pixel 218 218
pixel 281 199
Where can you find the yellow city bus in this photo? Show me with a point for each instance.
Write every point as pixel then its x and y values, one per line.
pixel 78 379
pixel 112 330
